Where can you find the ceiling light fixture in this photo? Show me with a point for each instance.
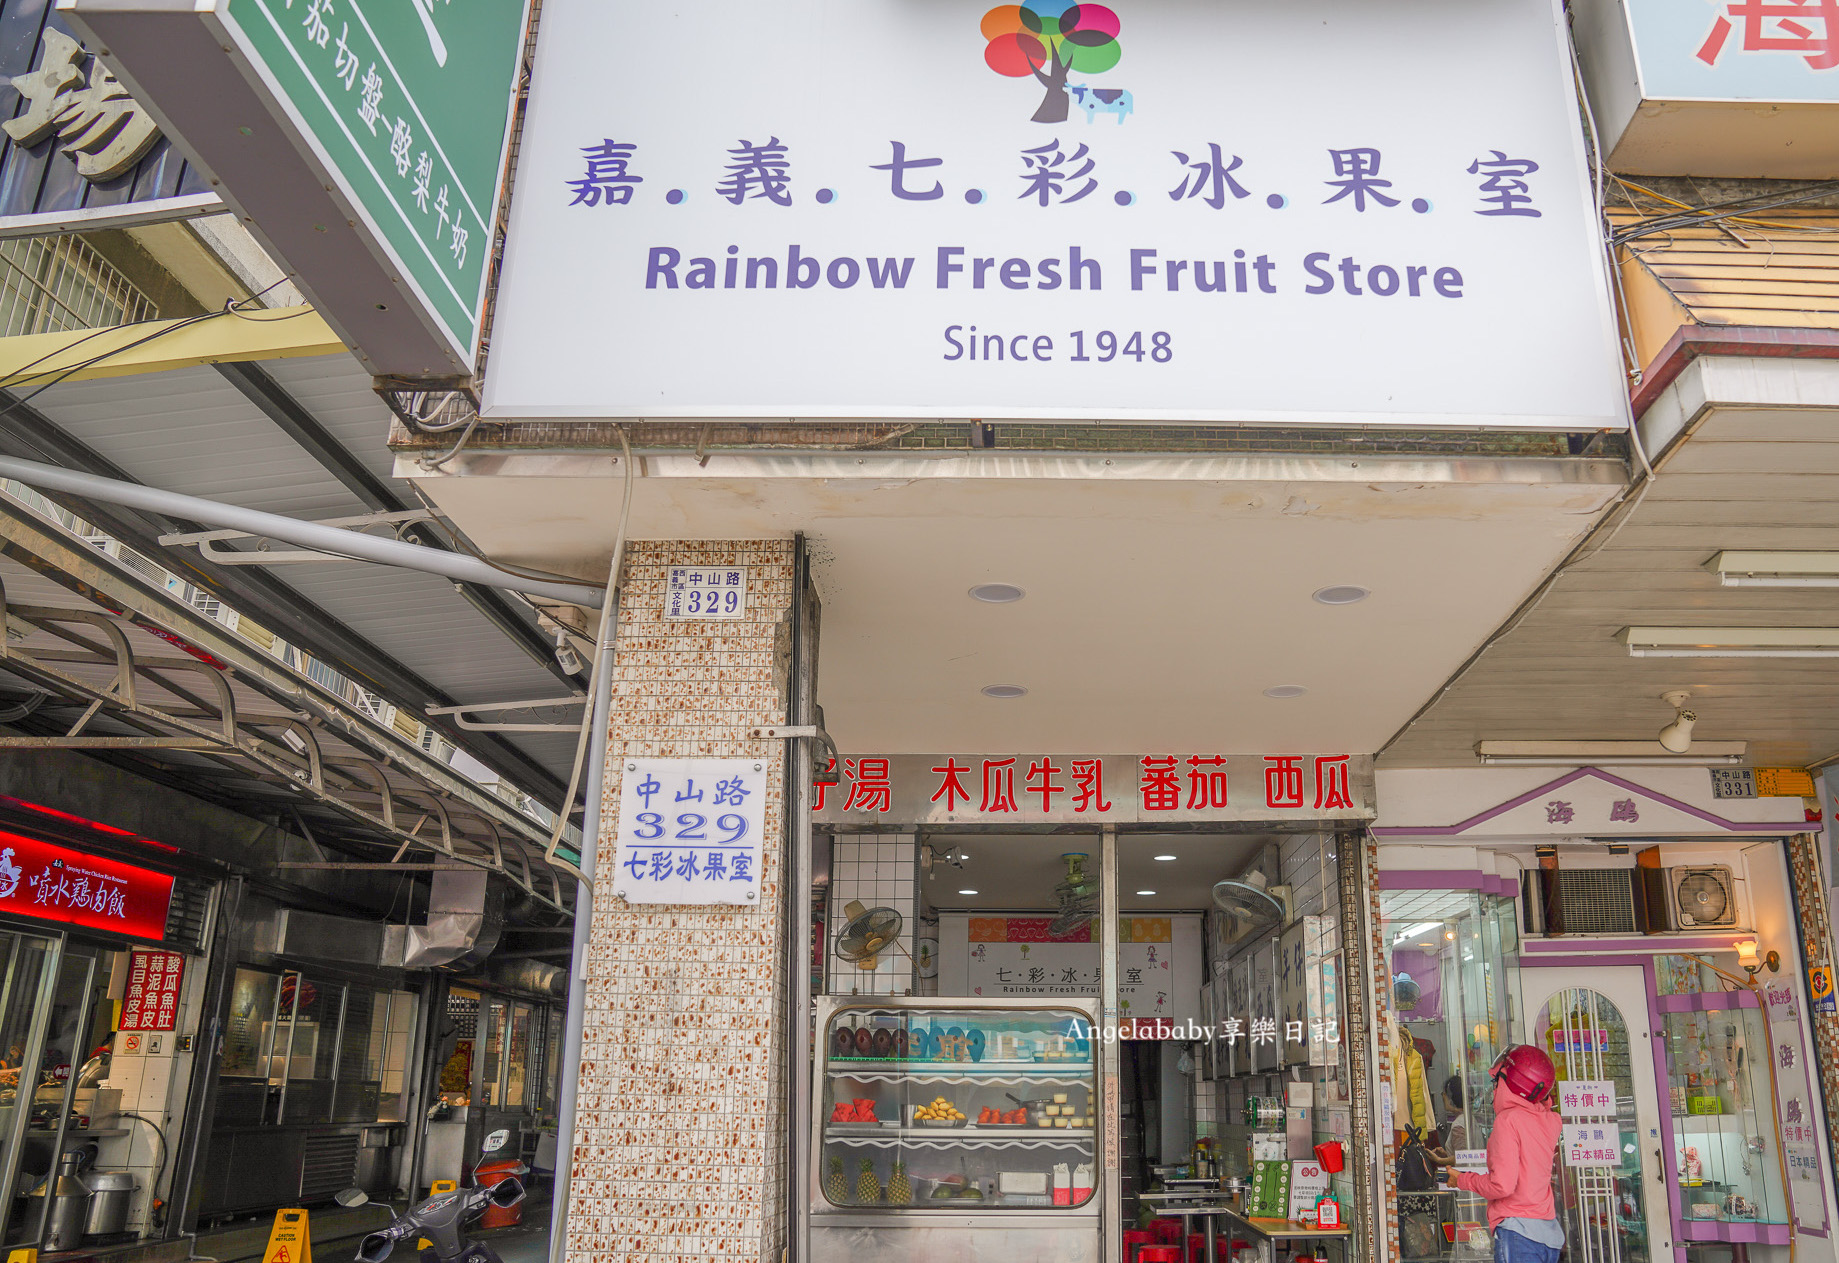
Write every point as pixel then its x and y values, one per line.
pixel 1776 570
pixel 1731 642
pixel 1003 691
pixel 1677 736
pixel 1146 892
pixel 967 892
pixel 997 593
pixel 1165 857
pixel 1607 753
pixel 1283 692
pixel 1342 594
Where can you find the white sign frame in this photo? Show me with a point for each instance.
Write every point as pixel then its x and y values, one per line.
pixel 673 808
pixel 1593 1135
pixel 700 298
pixel 686 589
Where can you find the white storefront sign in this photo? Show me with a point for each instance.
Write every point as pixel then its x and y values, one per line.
pixel 1798 1110
pixel 689 831
pixel 1314 211
pixel 1586 1098
pixel 1596 1144
pixel 1014 956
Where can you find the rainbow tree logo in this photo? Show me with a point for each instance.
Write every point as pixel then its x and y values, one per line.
pixel 1049 39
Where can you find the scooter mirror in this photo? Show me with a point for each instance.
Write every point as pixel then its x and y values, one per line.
pixel 376 1247
pixel 508 1191
pixel 351 1197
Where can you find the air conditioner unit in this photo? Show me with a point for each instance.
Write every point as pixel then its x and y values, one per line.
pixel 1701 896
pixel 1579 901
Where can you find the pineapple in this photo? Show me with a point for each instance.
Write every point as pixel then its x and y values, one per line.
pixel 868 1188
pixel 835 1188
pixel 900 1189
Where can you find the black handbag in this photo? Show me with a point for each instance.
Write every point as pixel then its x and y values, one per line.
pixel 1417 1173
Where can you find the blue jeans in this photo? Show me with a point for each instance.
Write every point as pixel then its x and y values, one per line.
pixel 1511 1247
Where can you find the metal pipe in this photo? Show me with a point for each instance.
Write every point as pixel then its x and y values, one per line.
pixel 1106 1046
pixel 331 539
pixel 802 709
pixel 600 717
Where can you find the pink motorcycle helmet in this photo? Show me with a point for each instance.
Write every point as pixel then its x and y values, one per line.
pixel 1526 1072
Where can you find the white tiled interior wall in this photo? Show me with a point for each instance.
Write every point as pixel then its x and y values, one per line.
pixel 153 1083
pixel 880 871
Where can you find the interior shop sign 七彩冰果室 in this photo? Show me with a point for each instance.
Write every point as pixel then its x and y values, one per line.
pixel 690 831
pixel 1160 788
pixel 1142 210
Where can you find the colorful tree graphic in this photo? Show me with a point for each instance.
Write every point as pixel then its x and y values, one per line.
pixel 1046 39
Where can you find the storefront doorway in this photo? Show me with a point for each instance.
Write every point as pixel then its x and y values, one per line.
pixel 1595 1025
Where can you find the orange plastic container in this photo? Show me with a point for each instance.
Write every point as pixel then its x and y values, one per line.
pixel 488 1174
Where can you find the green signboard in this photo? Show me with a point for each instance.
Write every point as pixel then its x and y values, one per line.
pixel 406 104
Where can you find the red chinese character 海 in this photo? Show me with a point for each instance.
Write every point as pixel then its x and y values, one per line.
pixel 1040 780
pixel 951 788
pixel 1331 785
pixel 1283 781
pixel 1089 785
pixel 1206 789
pixel 1161 789
pixel 999 785
pixel 869 787
pixel 1808 28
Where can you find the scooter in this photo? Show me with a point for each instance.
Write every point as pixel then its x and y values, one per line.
pixel 439 1219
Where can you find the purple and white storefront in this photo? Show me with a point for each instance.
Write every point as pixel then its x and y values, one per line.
pixel 1645 927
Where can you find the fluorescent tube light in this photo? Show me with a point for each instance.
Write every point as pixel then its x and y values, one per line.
pixel 1731 642
pixel 1606 754
pixel 1742 569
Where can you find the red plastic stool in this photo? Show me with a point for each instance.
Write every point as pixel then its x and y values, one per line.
pixel 1158 1254
pixel 1197 1247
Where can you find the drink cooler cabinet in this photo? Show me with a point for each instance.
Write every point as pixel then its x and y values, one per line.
pixel 909 1081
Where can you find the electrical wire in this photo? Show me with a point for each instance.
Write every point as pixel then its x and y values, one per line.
pixel 603 646
pixel 153 1188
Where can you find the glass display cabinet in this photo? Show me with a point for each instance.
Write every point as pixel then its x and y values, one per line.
pixel 1727 1160
pixel 955 1128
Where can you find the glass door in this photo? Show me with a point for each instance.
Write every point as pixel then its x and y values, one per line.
pixel 1612 1196
pixel 30 963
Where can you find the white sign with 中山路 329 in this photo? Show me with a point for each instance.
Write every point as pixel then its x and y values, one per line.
pixel 1314 211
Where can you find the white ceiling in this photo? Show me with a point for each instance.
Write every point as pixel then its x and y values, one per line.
pixel 1746 477
pixel 1164 595
pixel 1018 872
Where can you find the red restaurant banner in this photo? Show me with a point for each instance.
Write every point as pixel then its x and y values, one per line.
pixel 56 883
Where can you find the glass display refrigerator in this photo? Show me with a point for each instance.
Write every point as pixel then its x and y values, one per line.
pixel 961 1129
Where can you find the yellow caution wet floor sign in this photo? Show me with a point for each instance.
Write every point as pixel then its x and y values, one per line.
pixel 289 1241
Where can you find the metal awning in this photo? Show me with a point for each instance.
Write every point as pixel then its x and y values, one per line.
pixel 306 437
pixel 99 658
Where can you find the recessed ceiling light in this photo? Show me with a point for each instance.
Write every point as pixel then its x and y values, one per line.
pixel 1146 892
pixel 1341 594
pixel 1284 691
pixel 1003 690
pixel 1165 857
pixel 997 593
pixel 967 892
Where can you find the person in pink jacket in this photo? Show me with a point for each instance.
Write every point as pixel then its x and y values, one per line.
pixel 1521 1151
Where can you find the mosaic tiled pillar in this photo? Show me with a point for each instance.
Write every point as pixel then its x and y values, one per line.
pixel 1816 936
pixel 680 1136
pixel 1369 984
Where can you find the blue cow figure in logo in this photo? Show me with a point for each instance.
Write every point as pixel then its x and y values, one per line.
pixel 1096 101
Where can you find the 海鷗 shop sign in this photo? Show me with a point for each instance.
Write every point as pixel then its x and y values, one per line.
pixel 1310 211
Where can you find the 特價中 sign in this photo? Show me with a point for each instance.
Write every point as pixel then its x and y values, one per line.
pixel 1143 210
pixel 150 1001
pixel 1586 1098
pixel 689 831
pixel 56 883
pixel 1592 1144
pixel 365 141
pixel 1161 788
